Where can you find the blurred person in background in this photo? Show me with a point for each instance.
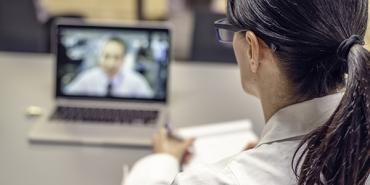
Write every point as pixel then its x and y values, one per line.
pixel 306 63
pixel 108 79
pixel 181 16
pixel 194 32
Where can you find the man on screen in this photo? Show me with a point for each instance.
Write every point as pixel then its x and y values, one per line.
pixel 108 78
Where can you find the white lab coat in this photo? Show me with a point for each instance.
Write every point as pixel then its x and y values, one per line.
pixel 94 82
pixel 269 163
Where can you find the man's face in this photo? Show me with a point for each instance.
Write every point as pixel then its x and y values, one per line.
pixel 111 58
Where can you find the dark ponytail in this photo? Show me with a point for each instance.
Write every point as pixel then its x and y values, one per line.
pixel 338 152
pixel 319 47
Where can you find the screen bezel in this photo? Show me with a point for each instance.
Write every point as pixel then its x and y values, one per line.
pixel 59 26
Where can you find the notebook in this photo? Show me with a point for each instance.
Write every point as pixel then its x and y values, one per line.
pixel 217 141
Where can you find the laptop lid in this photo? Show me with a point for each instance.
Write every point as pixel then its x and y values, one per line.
pixel 110 62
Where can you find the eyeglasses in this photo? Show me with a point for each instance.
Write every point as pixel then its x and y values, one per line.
pixel 225 32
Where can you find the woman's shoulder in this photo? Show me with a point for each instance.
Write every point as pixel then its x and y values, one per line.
pixel 215 174
pixel 266 164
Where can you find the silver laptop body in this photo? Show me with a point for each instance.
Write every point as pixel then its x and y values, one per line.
pixel 111 84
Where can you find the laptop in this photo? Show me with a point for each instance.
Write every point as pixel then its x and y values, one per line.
pixel 111 84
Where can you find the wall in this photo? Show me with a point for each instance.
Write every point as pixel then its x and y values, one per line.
pixel 97 9
pixel 107 9
pixel 367 37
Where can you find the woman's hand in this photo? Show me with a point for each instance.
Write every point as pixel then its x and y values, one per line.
pixel 163 143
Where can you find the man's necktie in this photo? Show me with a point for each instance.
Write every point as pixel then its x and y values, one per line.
pixel 109 89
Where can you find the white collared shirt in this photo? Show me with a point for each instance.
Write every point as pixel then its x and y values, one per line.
pixel 269 163
pixel 94 82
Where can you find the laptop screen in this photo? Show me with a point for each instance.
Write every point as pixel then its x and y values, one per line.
pixel 104 62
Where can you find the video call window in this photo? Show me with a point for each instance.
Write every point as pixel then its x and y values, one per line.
pixel 113 63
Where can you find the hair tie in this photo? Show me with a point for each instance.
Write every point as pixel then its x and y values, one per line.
pixel 346 45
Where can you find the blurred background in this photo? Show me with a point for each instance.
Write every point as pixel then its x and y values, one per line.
pixel 25 25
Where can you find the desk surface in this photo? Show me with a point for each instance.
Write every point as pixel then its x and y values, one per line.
pixel 201 93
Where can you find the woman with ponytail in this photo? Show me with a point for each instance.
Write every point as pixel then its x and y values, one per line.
pixel 305 61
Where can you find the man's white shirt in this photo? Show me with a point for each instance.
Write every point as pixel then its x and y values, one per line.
pixel 94 82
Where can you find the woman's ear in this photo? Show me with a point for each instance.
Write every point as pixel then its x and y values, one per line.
pixel 253 51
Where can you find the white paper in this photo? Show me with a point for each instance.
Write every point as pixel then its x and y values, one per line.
pixel 215 142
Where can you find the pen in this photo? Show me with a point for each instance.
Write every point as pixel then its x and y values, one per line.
pixel 171 133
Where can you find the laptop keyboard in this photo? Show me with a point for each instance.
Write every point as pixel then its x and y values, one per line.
pixel 122 116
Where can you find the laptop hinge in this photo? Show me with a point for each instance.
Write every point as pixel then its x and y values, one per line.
pixel 108 104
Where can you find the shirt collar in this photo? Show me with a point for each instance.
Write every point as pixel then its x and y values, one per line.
pixel 116 80
pixel 299 119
